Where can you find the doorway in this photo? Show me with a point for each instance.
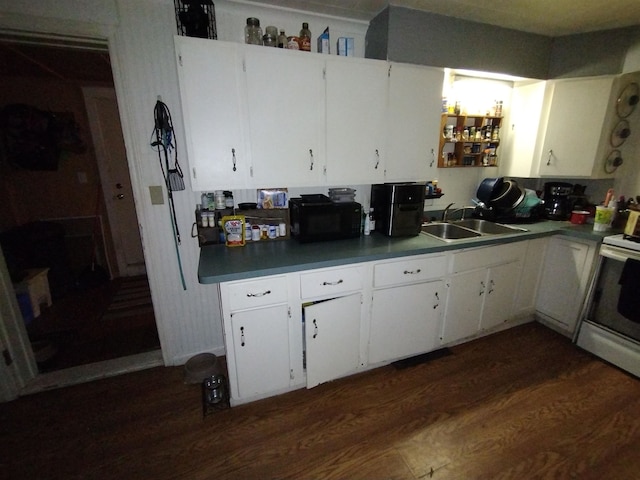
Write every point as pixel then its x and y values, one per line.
pixel 101 306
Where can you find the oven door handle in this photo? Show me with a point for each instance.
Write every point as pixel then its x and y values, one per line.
pixel 619 254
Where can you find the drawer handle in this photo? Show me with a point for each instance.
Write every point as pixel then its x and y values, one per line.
pixel 315 328
pixel 482 288
pixel 412 272
pixel 491 285
pixel 436 304
pixel 262 294
pixel 242 336
pixel 333 283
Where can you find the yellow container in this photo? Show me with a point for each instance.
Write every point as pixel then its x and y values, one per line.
pixel 233 227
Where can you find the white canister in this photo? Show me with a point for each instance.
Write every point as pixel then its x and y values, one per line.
pixel 282 229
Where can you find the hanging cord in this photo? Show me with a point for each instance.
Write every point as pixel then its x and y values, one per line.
pixel 165 144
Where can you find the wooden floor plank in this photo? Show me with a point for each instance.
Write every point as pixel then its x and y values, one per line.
pixel 521 404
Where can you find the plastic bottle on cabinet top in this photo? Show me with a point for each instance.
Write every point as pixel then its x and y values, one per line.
pixel 253 32
pixel 305 38
pixel 282 40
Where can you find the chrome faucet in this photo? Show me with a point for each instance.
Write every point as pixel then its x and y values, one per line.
pixel 447 211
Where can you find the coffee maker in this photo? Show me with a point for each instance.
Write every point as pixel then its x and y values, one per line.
pixel 557 201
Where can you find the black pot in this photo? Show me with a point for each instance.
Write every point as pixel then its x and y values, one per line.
pixel 508 197
pixel 489 188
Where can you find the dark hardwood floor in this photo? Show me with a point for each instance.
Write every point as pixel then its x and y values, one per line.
pixel 521 404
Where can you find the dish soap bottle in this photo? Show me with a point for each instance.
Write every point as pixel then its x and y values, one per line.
pixel 305 38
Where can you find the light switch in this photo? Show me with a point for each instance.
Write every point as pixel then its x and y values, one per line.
pixel 156 194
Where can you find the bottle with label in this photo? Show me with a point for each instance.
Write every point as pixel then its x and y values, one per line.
pixel 220 200
pixel 253 32
pixel 282 40
pixel 305 38
pixel 367 223
pixel 372 220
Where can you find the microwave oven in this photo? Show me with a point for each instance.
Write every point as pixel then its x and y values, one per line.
pixel 316 218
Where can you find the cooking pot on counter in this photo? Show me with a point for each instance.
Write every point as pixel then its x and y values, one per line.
pixel 488 188
pixel 508 196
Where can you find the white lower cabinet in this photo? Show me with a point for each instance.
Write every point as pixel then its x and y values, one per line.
pixel 261 350
pixel 332 303
pixel 260 338
pixel 481 289
pixel 406 308
pixel 565 278
pixel 333 322
pixel 332 335
pixel 405 321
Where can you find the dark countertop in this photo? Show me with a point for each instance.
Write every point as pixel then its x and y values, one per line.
pixel 219 263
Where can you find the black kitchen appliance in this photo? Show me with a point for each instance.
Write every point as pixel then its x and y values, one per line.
pixel 316 218
pixel 557 200
pixel 398 208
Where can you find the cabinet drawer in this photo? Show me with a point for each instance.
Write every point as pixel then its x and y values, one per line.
pixel 330 282
pixel 409 270
pixel 487 256
pixel 256 293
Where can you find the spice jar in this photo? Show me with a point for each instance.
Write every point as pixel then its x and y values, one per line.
pixel 253 32
pixel 220 200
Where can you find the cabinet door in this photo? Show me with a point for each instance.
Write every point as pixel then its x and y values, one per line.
pixel 574 126
pixel 518 158
pixel 525 302
pixel 209 75
pixel 286 98
pixel 464 304
pixel 332 334
pixel 405 321
pixel 261 350
pixel 562 286
pixel 502 282
pixel 356 120
pixel 415 101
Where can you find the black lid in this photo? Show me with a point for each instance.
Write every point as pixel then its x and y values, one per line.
pixel 253 22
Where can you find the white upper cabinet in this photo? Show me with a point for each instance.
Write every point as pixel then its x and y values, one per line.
pixel 211 94
pixel 356 120
pixel 286 99
pixel 574 127
pixel 258 117
pixel 562 128
pixel 415 101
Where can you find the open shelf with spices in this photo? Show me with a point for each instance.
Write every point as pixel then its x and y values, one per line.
pixel 469 140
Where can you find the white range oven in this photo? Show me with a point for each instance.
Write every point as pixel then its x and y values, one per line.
pixel 610 325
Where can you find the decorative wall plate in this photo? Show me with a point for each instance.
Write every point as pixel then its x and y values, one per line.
pixel 628 99
pixel 613 161
pixel 620 133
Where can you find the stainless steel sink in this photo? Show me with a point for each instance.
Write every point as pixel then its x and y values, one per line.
pixel 486 227
pixel 466 229
pixel 448 231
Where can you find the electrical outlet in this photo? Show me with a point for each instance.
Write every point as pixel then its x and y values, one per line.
pixel 156 194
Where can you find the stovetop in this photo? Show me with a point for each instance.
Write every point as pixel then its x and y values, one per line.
pixel 623 241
